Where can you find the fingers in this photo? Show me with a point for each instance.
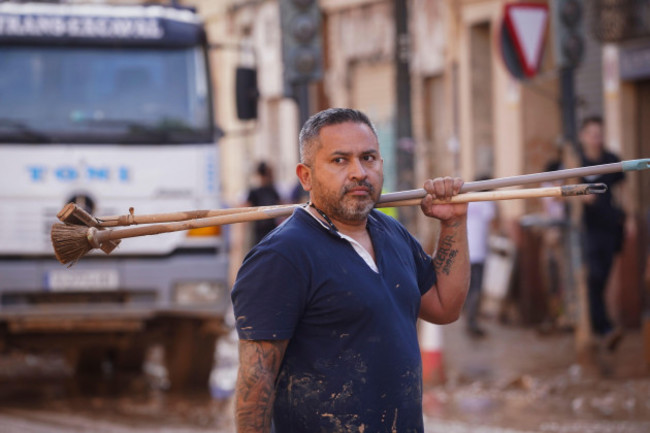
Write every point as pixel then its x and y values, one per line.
pixel 443 188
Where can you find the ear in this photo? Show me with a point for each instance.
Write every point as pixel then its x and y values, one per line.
pixel 304 175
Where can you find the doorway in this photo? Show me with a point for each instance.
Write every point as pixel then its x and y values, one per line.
pixel 482 98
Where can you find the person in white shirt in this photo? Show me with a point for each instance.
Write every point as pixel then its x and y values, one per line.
pixel 479 219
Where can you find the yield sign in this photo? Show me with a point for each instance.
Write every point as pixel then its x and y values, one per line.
pixel 527 24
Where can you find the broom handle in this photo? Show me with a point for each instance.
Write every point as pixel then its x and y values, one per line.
pixel 260 213
pixel 388 199
pixel 553 191
pixel 525 179
pixel 132 219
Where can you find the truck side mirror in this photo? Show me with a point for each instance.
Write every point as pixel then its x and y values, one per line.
pixel 246 93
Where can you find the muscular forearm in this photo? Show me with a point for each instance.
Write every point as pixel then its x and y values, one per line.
pixel 443 303
pixel 255 390
pixel 452 256
pixel 451 262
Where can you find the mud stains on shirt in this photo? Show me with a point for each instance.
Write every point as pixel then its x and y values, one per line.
pixel 353 360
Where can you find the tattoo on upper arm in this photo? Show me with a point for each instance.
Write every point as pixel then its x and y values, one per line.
pixel 259 365
pixel 446 255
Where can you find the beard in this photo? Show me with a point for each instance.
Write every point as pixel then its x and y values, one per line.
pixel 346 208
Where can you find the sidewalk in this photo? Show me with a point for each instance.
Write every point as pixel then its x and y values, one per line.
pixel 516 380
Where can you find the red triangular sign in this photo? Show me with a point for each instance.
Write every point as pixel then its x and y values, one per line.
pixel 527 24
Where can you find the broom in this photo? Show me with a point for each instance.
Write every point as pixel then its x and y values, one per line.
pixel 73 214
pixel 71 242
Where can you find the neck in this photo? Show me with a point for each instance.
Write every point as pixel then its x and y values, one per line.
pixel 350 228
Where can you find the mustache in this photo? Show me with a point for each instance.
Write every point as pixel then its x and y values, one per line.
pixel 363 183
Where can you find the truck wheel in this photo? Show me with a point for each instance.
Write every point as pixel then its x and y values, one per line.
pixel 128 365
pixel 89 362
pixel 129 360
pixel 88 369
pixel 189 356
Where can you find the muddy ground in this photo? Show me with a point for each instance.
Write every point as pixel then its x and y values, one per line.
pixel 520 379
pixel 514 380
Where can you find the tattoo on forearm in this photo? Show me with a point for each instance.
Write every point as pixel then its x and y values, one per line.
pixel 445 256
pixel 444 246
pixel 260 363
pixel 450 261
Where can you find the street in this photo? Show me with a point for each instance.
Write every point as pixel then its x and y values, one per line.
pixel 31 421
pixel 513 381
pixel 516 380
pixel 125 125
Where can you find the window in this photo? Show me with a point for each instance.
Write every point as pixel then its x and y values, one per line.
pixel 84 94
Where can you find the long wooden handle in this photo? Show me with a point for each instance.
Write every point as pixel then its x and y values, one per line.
pixel 97 236
pixel 553 191
pixel 132 219
pixel 527 179
pixel 254 214
pixel 388 199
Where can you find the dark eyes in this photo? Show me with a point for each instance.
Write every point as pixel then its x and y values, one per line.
pixel 365 158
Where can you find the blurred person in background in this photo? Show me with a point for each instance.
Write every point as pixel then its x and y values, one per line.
pixel 604 223
pixel 264 194
pixel 480 218
pixel 326 305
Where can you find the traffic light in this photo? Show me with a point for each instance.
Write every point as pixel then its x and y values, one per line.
pixel 301 41
pixel 568 17
pixel 246 93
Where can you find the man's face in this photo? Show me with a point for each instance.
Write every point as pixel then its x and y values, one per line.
pixel 591 137
pixel 346 174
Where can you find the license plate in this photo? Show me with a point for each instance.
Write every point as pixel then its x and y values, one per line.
pixel 84 280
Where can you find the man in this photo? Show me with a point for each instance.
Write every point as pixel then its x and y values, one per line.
pixel 326 305
pixel 604 222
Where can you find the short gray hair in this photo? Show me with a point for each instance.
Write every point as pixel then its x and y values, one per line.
pixel 309 134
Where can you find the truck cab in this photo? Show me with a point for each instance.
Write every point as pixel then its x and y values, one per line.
pixel 109 107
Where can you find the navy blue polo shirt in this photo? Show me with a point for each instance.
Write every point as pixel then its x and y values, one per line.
pixel 353 360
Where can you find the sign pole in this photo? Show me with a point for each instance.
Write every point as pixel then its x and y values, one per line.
pixel 583 335
pixel 568 104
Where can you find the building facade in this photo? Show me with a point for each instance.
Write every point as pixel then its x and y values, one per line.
pixel 626 109
pixel 470 117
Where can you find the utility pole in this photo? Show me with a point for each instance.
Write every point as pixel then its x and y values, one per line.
pixel 583 333
pixel 569 40
pixel 568 105
pixel 301 96
pixel 302 50
pixel 405 149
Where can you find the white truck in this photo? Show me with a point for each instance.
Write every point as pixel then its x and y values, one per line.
pixel 109 107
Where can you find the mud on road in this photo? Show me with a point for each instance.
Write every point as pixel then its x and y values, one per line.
pixel 519 380
pixel 39 395
pixel 512 381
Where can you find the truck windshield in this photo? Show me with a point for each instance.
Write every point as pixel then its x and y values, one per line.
pixel 103 95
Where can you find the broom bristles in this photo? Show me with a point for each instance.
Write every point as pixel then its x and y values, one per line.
pixel 70 242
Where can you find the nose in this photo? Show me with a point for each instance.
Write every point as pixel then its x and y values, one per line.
pixel 357 170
